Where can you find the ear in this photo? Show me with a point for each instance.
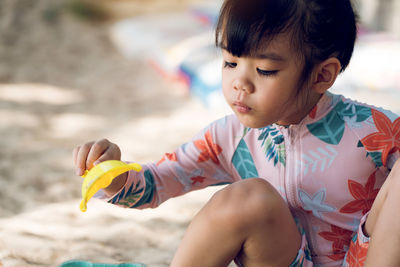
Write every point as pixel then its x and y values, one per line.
pixel 325 75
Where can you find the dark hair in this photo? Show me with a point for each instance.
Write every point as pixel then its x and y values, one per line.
pixel 319 29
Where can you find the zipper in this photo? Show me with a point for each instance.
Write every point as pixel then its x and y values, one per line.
pixel 289 175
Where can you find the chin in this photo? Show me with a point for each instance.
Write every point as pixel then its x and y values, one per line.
pixel 254 124
pixel 251 121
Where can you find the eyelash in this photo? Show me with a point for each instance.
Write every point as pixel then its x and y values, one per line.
pixel 229 64
pixel 261 72
pixel 267 72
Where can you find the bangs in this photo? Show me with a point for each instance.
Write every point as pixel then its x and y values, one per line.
pixel 243 28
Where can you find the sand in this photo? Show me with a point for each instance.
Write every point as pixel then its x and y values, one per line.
pixel 62 83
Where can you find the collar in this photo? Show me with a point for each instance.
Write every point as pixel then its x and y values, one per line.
pixel 325 104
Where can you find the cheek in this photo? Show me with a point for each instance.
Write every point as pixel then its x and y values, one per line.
pixel 226 85
pixel 287 85
pixel 276 93
pixel 226 92
pixel 224 76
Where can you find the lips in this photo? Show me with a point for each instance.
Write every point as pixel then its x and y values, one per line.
pixel 240 107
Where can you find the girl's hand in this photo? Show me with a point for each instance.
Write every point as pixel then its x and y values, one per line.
pixel 92 153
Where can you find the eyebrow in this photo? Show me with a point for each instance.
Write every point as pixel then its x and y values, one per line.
pixel 269 55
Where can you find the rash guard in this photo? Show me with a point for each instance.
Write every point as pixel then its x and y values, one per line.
pixel 328 168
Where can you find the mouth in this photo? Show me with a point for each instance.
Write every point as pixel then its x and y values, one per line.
pixel 240 107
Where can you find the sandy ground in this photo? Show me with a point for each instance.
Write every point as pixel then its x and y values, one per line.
pixel 62 83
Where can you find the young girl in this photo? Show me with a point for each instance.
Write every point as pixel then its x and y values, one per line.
pixel 314 177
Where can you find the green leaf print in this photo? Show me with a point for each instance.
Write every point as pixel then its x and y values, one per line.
pixel 129 201
pixel 129 198
pixel 243 161
pixel 363 113
pixel 375 156
pixel 245 131
pixel 273 145
pixel 149 192
pixel 350 110
pixel 330 129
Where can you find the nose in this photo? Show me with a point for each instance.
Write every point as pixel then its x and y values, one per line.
pixel 243 84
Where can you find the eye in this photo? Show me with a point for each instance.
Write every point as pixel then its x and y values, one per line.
pixel 229 64
pixel 267 72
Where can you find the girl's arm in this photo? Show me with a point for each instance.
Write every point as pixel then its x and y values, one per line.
pixel 204 161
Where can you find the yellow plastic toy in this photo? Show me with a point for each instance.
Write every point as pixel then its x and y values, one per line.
pixel 101 176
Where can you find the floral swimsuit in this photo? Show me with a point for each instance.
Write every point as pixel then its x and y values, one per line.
pixel 328 168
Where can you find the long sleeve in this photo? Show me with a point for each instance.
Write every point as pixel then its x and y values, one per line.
pixel 204 161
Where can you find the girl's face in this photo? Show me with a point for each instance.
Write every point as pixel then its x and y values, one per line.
pixel 262 88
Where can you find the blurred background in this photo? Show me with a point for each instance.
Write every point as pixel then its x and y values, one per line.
pixel 145 75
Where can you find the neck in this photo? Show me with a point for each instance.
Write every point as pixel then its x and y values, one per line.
pixel 303 110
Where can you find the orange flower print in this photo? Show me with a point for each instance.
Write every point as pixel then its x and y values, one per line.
pixel 357 254
pixel 208 150
pixel 387 139
pixel 169 156
pixel 364 196
pixel 341 241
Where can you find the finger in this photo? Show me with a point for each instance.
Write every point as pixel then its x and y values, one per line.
pixel 112 153
pixel 97 150
pixel 81 158
pixel 75 154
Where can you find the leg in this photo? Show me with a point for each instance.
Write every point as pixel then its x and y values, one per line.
pixel 248 220
pixel 383 224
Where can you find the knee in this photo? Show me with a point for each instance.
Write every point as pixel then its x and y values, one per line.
pixel 247 202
